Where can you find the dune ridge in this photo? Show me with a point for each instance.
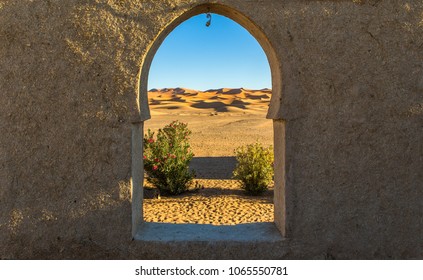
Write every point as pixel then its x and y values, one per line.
pixel 212 101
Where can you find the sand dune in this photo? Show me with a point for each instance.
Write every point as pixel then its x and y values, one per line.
pixel 223 100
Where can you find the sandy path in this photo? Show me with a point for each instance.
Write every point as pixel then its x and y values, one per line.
pixel 221 202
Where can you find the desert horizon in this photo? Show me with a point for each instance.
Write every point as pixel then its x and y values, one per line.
pixel 220 100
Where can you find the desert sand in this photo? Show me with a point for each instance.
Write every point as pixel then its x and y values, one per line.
pixel 220 121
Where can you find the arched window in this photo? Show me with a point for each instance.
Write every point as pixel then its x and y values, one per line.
pixel 149 231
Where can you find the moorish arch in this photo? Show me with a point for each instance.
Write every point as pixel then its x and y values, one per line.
pixel 273 113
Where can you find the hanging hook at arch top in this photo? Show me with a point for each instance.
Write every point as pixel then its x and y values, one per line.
pixel 210 18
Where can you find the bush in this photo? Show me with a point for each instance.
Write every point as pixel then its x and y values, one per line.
pixel 254 167
pixel 167 157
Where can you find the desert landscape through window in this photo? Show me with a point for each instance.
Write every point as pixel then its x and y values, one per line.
pixel 223 112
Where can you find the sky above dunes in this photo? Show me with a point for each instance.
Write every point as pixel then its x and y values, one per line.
pixel 224 55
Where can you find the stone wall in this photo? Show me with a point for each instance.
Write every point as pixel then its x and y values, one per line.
pixel 352 104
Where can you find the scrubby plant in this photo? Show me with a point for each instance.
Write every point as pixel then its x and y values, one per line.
pixel 254 167
pixel 167 157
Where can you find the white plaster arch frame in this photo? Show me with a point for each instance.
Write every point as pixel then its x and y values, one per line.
pixel 140 229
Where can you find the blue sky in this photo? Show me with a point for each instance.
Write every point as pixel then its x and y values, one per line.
pixel 199 57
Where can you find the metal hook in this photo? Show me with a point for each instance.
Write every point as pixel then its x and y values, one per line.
pixel 209 21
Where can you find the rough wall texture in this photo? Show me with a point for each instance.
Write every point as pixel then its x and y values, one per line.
pixel 352 101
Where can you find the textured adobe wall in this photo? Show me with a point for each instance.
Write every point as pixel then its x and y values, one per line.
pixel 352 104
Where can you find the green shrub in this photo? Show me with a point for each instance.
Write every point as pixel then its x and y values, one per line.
pixel 254 167
pixel 167 157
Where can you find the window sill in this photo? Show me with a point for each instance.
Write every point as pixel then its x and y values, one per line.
pixel 165 232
